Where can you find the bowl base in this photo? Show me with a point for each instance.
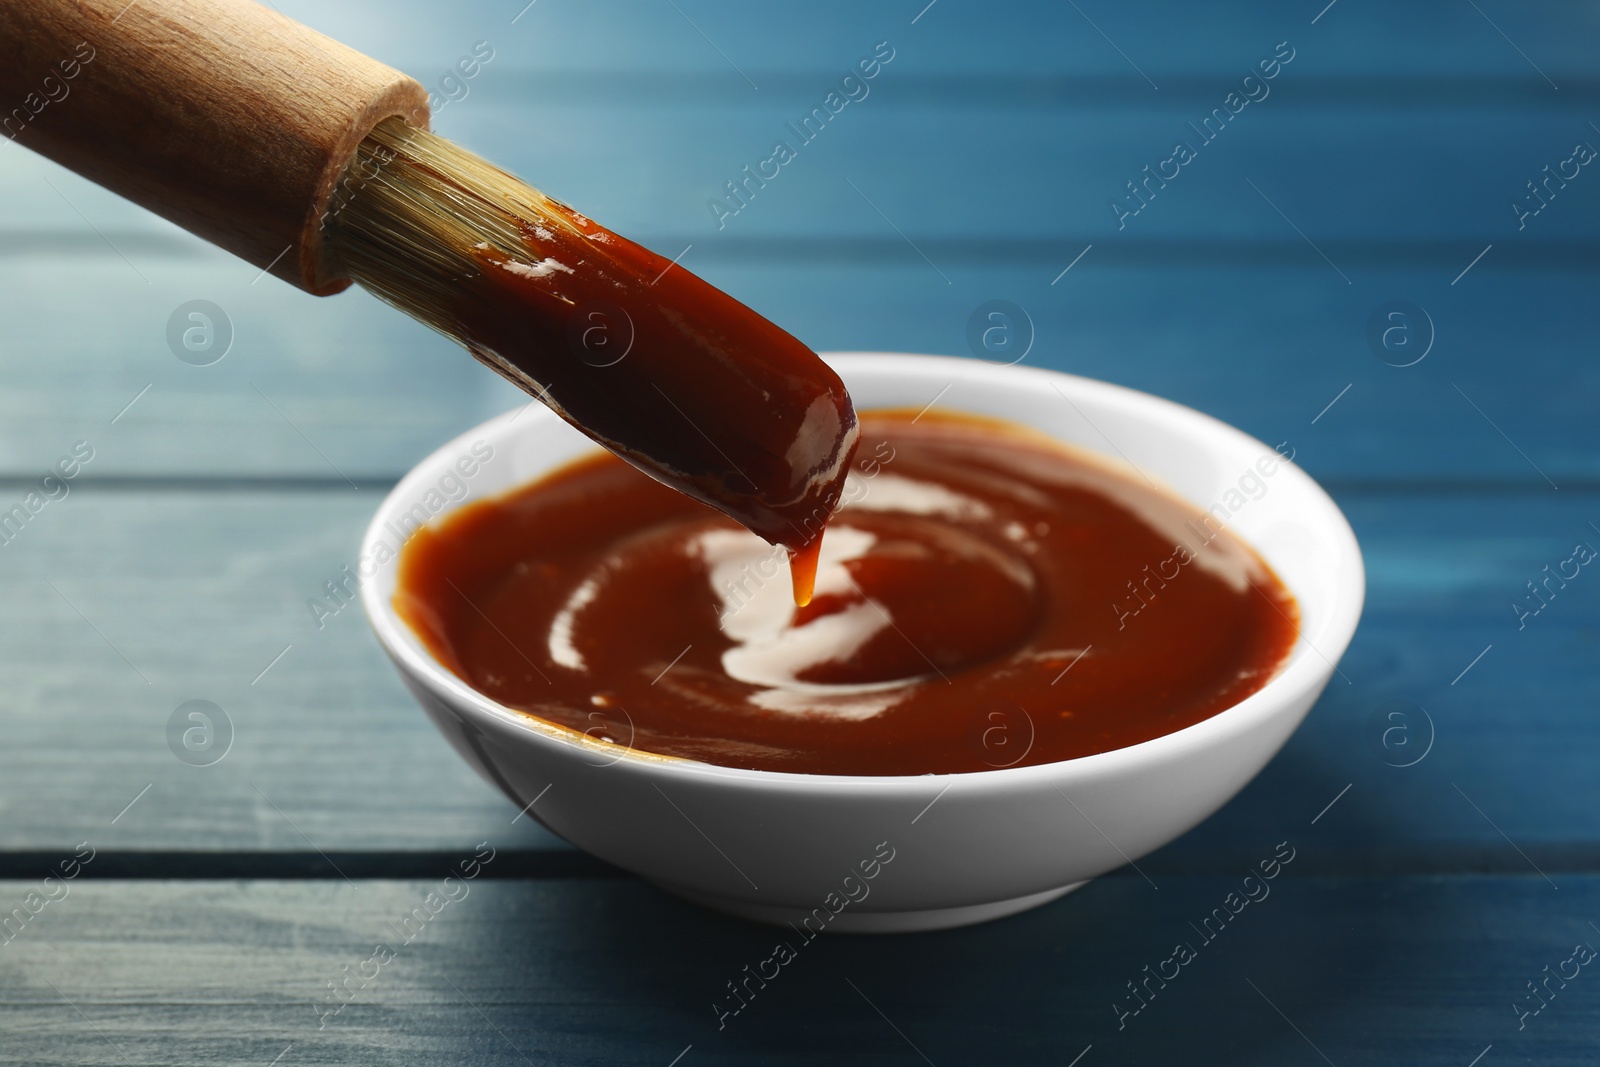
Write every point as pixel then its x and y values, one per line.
pixel 876 922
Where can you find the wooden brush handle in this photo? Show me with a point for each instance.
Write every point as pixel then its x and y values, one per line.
pixel 221 115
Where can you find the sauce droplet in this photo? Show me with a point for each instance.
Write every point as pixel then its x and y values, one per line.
pixel 803 571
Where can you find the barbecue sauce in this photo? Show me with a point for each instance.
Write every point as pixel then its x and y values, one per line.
pixel 669 373
pixel 985 598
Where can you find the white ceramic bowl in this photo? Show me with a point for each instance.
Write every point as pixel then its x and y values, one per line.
pixel 962 848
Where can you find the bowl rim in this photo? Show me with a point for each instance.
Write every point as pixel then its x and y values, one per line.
pixel 1306 672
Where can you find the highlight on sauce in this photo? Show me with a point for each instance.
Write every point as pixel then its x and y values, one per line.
pixel 985 598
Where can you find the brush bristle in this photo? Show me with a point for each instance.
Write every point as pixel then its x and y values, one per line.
pixel 411 208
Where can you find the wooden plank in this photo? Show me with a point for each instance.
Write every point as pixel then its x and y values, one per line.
pixel 345 388
pixel 1164 38
pixel 989 168
pixel 1005 123
pixel 1170 41
pixel 199 592
pixel 188 596
pixel 1421 970
pixel 368 375
pixel 943 160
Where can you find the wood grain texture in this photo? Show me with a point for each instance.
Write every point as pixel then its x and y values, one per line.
pixel 1432 39
pixel 1023 172
pixel 1420 970
pixel 222 115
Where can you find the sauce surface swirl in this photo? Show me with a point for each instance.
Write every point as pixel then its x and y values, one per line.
pixel 985 598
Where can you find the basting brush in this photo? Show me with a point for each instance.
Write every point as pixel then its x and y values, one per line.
pixel 314 162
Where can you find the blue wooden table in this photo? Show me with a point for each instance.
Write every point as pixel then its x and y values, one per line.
pixel 168 905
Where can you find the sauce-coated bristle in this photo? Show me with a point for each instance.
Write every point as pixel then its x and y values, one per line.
pixel 662 368
pixel 413 208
